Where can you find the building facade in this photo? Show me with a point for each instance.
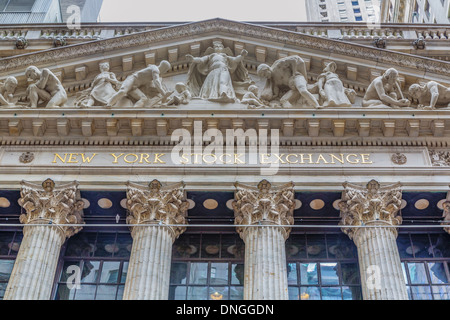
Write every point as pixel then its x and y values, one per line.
pixel 221 160
pixel 417 11
pixel 343 10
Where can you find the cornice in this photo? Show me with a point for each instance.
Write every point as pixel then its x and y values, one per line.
pixel 226 27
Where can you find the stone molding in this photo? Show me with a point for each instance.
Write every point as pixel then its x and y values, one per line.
pixel 265 205
pixel 154 204
pixel 370 205
pixel 50 204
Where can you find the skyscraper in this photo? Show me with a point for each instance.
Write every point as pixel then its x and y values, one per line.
pixel 342 10
pixel 417 11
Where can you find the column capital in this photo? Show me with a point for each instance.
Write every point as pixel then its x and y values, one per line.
pixel 370 205
pixel 154 204
pixel 51 204
pixel 264 204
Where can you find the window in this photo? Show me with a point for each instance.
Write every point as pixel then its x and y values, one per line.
pixel 358 18
pixel 207 267
pixel 426 262
pixel 355 3
pixel 357 10
pixel 18 5
pixel 9 246
pixel 322 267
pixel 102 259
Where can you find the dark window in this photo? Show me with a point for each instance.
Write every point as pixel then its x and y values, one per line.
pixel 9 246
pixel 358 18
pixel 19 5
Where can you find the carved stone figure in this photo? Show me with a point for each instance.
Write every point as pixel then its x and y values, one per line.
pixel 102 90
pixel 286 81
pixel 251 98
pixel 385 90
pixel 332 90
pixel 7 90
pixel 145 86
pixel 181 95
pixel 440 158
pixel 430 95
pixel 214 76
pixel 47 88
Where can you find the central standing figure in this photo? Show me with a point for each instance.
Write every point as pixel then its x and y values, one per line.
pixel 211 77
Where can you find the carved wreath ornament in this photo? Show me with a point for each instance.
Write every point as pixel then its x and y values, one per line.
pixel 399 158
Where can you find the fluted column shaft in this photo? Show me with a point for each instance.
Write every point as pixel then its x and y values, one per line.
pixel 149 267
pixel 379 262
pixel 265 264
pixel 35 267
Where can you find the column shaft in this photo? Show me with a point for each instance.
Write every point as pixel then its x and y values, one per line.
pixel 35 267
pixel 149 268
pixel 380 266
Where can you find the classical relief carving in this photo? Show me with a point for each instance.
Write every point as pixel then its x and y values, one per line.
pixel 157 205
pixel 361 205
pixel 7 90
pixel 430 95
pixel 60 205
pixel 440 158
pixel 26 157
pixel 251 98
pixel 46 88
pixel 264 205
pixel 331 89
pixel 399 158
pixel 385 90
pixel 286 83
pixel 180 95
pixel 217 75
pixel 102 90
pixel 144 87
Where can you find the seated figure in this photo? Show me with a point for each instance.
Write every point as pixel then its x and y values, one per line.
pixel 7 90
pixel 430 95
pixel 47 88
pixel 251 98
pixel 181 95
pixel 385 90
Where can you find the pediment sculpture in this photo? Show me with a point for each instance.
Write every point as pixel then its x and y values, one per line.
pixel 46 88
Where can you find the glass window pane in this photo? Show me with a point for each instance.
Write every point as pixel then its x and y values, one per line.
pixel 329 273
pixel 219 274
pixel 236 293
pixel 405 276
pixel 237 274
pixel 178 273
pixel 177 293
pixel 124 242
pixel 90 271
pixel 81 245
pixel 309 293
pixel 292 273
pixel 110 272
pixel 316 246
pixel 120 292
pixel 437 272
pixel 69 269
pixel 351 293
pixel 417 273
pixel 296 247
pixel 441 245
pixel 106 293
pixel 64 293
pixel 421 293
pixel 3 289
pixel 197 293
pixel 6 239
pixel 6 267
pixel 350 273
pixel 198 273
pixel 293 293
pixel 210 246
pixel 124 272
pixel 232 247
pixel 421 246
pixel 340 247
pixel 15 246
pixel 331 293
pixel 403 243
pixel 441 292
pixel 308 273
pixel 187 246
pixel 86 292
pixel 218 293
pixel 106 245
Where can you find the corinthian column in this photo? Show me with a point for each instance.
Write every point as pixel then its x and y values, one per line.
pixel 376 209
pixel 157 210
pixel 262 216
pixel 49 211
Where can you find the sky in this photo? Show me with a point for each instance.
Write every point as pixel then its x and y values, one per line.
pixel 196 10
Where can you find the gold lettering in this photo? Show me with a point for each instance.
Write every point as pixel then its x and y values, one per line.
pixel 279 158
pixel 221 158
pixel 302 158
pixel 333 157
pixel 131 154
pixel 366 158
pixel 236 158
pixel 291 155
pixel 196 157
pixel 144 156
pixel 265 158
pixel 157 158
pixel 209 155
pixel 185 159
pixel 72 158
pixel 354 161
pixel 58 156
pixel 322 158
pixel 87 159
pixel 116 158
